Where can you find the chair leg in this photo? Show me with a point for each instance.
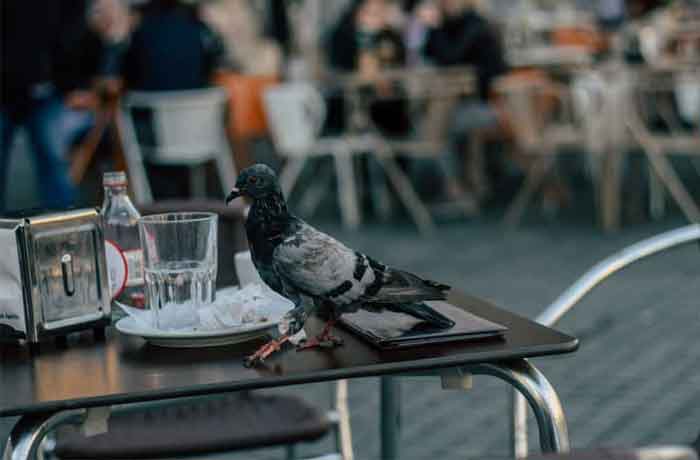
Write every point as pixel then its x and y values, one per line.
pixel 474 173
pixel 378 189
pixel 409 197
pixel 344 438
pixel 134 160
pixel 657 196
pixel 290 452
pixel 314 193
pixel 670 179
pixel 290 174
pixel 347 189
pixel 198 181
pixel 226 168
pixel 535 175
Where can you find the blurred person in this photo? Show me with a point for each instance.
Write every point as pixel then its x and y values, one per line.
pixel 49 57
pixel 366 41
pixel 240 27
pixel 458 36
pixel 171 49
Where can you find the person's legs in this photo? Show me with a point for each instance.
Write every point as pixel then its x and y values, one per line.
pixel 7 129
pixel 52 129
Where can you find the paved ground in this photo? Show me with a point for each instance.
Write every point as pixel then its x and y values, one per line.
pixel 634 381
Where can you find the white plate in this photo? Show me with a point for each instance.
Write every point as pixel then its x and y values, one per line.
pixel 193 339
pixel 274 308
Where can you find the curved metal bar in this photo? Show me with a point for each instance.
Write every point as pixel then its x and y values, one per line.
pixel 27 434
pixel 600 271
pixel 565 302
pixel 532 384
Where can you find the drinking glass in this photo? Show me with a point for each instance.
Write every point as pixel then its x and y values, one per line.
pixel 180 265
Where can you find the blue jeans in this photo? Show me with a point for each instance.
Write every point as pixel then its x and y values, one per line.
pixel 52 128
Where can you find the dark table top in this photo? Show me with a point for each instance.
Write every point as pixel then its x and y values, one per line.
pixel 122 369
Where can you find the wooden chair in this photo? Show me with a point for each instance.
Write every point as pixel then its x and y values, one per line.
pixel 543 122
pixel 432 100
pixel 652 100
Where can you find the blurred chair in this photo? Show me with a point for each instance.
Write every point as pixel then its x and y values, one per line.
pixel 569 298
pixel 207 425
pixel 296 112
pixel 187 128
pixel 433 99
pixel 673 103
pixel 543 123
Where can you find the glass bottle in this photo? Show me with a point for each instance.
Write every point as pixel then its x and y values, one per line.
pixel 122 244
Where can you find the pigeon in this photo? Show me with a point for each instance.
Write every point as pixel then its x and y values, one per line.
pixel 319 274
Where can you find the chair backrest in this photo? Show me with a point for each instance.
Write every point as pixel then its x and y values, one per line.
pixel 295 114
pixel 670 101
pixel 188 126
pixel 432 95
pixel 525 102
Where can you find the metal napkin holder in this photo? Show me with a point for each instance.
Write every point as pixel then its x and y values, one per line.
pixel 63 272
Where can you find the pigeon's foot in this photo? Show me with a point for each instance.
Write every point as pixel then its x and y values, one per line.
pixel 327 341
pixel 324 340
pixel 265 351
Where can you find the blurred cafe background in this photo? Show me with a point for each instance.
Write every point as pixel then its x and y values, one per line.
pixel 501 146
pixel 417 111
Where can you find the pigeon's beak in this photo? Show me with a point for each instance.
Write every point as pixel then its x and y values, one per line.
pixel 235 193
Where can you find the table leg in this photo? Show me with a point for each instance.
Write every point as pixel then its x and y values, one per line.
pixel 533 385
pixel 610 190
pixel 390 417
pixel 27 434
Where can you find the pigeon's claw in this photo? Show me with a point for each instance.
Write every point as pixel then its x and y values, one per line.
pixel 265 351
pixel 320 342
pixel 324 340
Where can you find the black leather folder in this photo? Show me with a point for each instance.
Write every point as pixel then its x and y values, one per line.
pixel 388 329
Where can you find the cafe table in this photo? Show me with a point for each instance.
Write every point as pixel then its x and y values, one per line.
pixel 67 384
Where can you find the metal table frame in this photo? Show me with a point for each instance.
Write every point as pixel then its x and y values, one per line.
pixel 455 372
pixel 26 436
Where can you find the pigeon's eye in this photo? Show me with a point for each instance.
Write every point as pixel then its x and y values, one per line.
pixel 252 179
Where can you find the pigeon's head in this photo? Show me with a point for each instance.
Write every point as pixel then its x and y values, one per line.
pixel 256 182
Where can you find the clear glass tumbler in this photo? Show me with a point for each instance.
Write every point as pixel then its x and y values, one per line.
pixel 180 251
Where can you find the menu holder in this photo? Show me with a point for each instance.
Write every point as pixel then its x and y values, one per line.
pixel 390 330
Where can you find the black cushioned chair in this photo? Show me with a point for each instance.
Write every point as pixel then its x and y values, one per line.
pixel 197 426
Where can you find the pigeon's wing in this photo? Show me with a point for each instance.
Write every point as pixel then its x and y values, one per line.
pixel 319 266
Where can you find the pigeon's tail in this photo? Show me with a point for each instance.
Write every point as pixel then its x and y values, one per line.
pixel 402 287
pixel 424 312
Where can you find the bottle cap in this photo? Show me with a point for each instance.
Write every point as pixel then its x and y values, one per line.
pixel 114 179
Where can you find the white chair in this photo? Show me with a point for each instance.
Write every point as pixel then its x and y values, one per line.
pixel 295 113
pixel 188 129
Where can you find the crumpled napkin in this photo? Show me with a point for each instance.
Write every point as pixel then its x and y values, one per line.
pixel 233 307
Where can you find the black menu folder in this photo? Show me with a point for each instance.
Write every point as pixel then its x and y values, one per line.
pixel 388 329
